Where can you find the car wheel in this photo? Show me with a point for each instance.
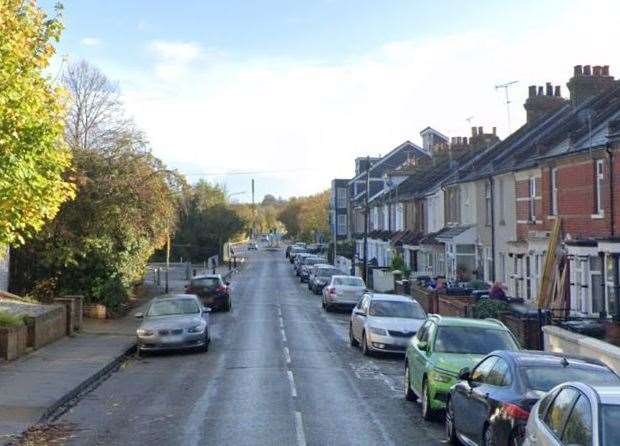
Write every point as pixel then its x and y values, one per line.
pixel 365 350
pixel 205 347
pixel 228 304
pixel 450 429
pixel 427 411
pixel 352 339
pixel 328 307
pixel 409 395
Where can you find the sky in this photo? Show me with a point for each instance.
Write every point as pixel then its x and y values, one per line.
pixel 290 92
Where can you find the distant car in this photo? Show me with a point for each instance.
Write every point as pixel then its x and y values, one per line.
pixel 343 291
pixel 295 250
pixel 510 383
pixel 576 414
pixel 385 323
pixel 252 246
pixel 441 349
pixel 320 275
pixel 171 322
pixel 306 259
pixel 212 290
pixel 306 265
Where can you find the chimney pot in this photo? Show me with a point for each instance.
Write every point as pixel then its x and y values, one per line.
pixel 558 91
pixel 540 91
pixel 605 70
pixel 549 89
pixel 494 131
pixel 480 131
pixel 597 70
pixel 532 91
pixel 465 142
pixel 578 70
pixel 474 131
pixel 587 71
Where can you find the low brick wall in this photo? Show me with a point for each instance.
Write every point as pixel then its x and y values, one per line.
pixel 527 330
pixel 13 342
pixel 559 340
pixel 46 327
pixel 427 298
pixel 457 306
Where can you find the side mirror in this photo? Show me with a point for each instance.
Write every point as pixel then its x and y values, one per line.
pixel 139 315
pixel 464 374
pixel 359 312
pixel 423 345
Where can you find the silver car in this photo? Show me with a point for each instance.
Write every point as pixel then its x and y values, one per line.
pixel 385 323
pixel 343 291
pixel 174 322
pixel 575 414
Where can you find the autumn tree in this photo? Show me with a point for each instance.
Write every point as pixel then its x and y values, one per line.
pixel 306 217
pixel 33 156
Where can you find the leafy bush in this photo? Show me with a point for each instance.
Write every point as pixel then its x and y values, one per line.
pixel 398 264
pixel 485 308
pixel 9 320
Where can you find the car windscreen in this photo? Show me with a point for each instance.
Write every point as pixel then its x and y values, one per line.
pixel 349 281
pixel 474 340
pixel 610 414
pixel 313 261
pixel 172 307
pixel 544 378
pixel 392 308
pixel 207 283
pixel 326 273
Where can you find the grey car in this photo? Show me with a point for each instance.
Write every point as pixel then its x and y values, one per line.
pixel 385 323
pixel 174 322
pixel 343 291
pixel 575 414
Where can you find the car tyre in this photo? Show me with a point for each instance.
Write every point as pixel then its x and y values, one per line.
pixel 205 347
pixel 365 350
pixel 409 395
pixel 450 429
pixel 427 412
pixel 228 304
pixel 352 339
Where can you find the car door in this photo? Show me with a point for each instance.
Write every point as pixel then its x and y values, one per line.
pixel 464 400
pixel 418 359
pixel 578 426
pixel 555 418
pixel 357 319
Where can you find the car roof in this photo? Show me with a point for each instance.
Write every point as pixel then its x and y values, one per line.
pixel 344 276
pixel 606 394
pixel 443 321
pixel 175 296
pixel 391 297
pixel 323 265
pixel 535 357
pixel 207 276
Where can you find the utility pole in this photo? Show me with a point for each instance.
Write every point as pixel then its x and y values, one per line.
pixel 167 258
pixel 253 212
pixel 366 216
pixel 506 86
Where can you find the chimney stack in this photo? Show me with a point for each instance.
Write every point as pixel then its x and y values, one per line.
pixel 494 131
pixel 480 131
pixel 474 131
pixel 547 99
pixel 587 83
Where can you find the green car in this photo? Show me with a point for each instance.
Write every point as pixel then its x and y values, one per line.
pixel 441 349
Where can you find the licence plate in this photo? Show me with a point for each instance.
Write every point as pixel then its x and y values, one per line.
pixel 171 339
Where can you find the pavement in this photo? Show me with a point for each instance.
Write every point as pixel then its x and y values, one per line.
pixel 279 370
pixel 38 384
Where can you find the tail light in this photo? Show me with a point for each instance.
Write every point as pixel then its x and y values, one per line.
pixel 516 412
pixel 221 289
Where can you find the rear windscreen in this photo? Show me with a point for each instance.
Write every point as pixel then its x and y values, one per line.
pixel 544 378
pixel 349 281
pixel 207 283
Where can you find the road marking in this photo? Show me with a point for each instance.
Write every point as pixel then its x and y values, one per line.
pixel 283 335
pixel 299 429
pixel 279 312
pixel 291 381
pixel 287 355
pixel 281 322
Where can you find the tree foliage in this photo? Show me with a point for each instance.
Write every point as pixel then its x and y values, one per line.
pixel 307 217
pixel 33 157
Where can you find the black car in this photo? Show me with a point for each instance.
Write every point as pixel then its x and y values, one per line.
pixel 491 404
pixel 212 291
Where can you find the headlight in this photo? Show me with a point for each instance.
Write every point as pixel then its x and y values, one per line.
pixel 197 329
pixel 144 332
pixel 442 377
pixel 379 331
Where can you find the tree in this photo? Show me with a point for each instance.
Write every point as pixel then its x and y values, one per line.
pixel 304 217
pixel 33 157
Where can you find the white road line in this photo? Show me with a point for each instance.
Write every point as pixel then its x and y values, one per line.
pixel 291 381
pixel 279 312
pixel 283 335
pixel 281 322
pixel 287 355
pixel 299 429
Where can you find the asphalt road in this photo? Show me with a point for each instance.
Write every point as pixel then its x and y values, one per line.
pixel 279 371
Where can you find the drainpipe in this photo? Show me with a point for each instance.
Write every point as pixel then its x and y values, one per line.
pixel 610 155
pixel 492 185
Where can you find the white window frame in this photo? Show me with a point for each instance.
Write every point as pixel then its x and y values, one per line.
pixel 341 197
pixel 599 184
pixel 554 191
pixel 487 203
pixel 532 200
pixel 342 224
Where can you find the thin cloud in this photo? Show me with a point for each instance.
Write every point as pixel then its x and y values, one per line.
pixel 173 58
pixel 91 41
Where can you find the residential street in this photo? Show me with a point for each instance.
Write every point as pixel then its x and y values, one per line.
pixel 279 371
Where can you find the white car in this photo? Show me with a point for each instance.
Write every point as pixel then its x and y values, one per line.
pixel 343 291
pixel 575 414
pixel 385 323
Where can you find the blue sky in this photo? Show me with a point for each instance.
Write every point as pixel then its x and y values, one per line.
pixel 296 89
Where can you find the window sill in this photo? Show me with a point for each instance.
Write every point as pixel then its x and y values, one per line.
pixel 597 216
pixel 551 217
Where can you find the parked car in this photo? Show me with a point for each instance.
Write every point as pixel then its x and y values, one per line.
pixel 385 323
pixel 212 290
pixel 290 248
pixel 320 275
pixel 491 404
pixel 306 265
pixel 173 322
pixel 307 260
pixel 343 291
pixel 441 349
pixel 252 246
pixel 294 251
pixel 298 259
pixel 575 413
